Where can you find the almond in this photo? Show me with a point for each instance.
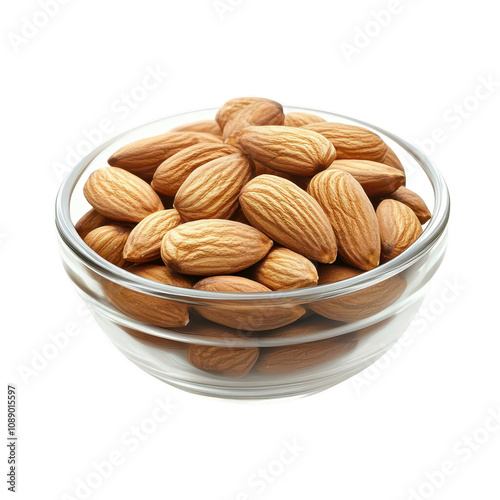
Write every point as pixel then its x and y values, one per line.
pixel 91 220
pixel 391 159
pixel 286 149
pixel 284 269
pixel 205 126
pixel 153 310
pixel 375 178
pixel 152 340
pixel 300 180
pixel 227 361
pixel 412 200
pixel 213 246
pixel 211 191
pixel 300 119
pixel 231 108
pixel 241 316
pixel 357 305
pixel 307 326
pixel 351 141
pixel 352 216
pixel 144 242
pixel 144 156
pixel 239 113
pixel 289 216
pixel 291 358
pixel 120 195
pixel 399 228
pixel 170 175
pixel 108 241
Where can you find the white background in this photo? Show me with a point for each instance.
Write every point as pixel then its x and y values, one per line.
pixel 379 436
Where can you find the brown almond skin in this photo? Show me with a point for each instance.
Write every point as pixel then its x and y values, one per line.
pixel 227 361
pixel 120 195
pixel 108 241
pixel 289 216
pixel 213 246
pixel 171 174
pixel 300 119
pixel 152 310
pixel 144 156
pixel 157 342
pixel 352 216
pixel 399 228
pixel 412 200
pixel 236 114
pixel 245 317
pixel 144 242
pixel 90 221
pixel 284 269
pixel 377 179
pixel 212 190
pixel 351 141
pixel 293 358
pixel 291 150
pixel 300 180
pixel 391 159
pixel 205 126
pixel 357 305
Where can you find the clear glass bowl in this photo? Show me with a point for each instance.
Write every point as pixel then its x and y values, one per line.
pixel 360 318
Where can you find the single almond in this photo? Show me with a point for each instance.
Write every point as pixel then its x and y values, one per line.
pixel 146 308
pixel 286 149
pixel 120 195
pixel 144 242
pixel 226 361
pixel 90 221
pixel 240 113
pixel 292 358
pixel 300 180
pixel 356 305
pixel 289 216
pixel 299 119
pixel 399 228
pixel 211 191
pixel 213 246
pixel 144 156
pixel 152 340
pixel 412 200
pixel 171 174
pixel 351 141
pixel 245 316
pixel 352 216
pixel 284 269
pixel 205 126
pixel 377 179
pixel 230 109
pixel 391 159
pixel 109 241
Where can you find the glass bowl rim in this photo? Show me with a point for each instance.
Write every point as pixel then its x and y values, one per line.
pixel 431 234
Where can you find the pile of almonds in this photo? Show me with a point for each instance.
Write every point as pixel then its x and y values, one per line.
pixel 253 201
